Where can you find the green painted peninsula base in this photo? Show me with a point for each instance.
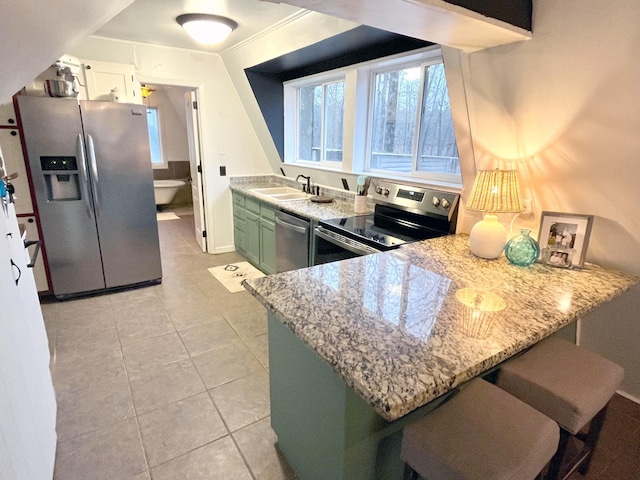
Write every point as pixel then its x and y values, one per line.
pixel 325 430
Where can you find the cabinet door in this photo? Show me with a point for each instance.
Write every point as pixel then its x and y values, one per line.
pixel 8 115
pixel 14 162
pixel 267 246
pixel 30 226
pixel 252 238
pixel 101 77
pixel 239 223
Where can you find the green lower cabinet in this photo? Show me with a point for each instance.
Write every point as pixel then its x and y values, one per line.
pixel 325 429
pixel 252 238
pixel 254 232
pixel 267 246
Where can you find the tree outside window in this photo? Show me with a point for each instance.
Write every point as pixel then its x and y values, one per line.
pixel 320 122
pixel 411 125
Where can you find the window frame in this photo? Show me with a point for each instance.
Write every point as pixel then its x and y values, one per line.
pixel 292 109
pixel 358 109
pixel 164 163
pixel 433 56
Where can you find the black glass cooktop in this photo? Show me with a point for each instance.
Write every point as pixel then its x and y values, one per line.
pixel 364 227
pixel 388 227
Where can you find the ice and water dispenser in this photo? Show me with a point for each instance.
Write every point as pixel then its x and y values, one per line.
pixel 61 178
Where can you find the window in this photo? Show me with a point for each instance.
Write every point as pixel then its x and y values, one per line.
pixel 398 121
pixel 155 140
pixel 411 129
pixel 320 123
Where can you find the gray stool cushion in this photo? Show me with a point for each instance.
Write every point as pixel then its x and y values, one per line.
pixel 481 433
pixel 565 382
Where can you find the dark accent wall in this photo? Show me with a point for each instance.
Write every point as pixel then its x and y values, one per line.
pixel 358 45
pixel 515 12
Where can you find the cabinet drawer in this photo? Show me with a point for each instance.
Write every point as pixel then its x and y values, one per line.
pixel 239 238
pixel 252 205
pixel 238 199
pixel 267 213
pixel 240 223
pixel 39 272
pixel 238 213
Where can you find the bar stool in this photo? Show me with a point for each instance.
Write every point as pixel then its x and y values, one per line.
pixel 569 384
pixel 482 433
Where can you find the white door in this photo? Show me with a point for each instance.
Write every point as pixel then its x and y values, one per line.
pixel 27 399
pixel 195 159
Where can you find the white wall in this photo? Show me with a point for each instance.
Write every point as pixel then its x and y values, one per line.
pixel 564 109
pixel 227 136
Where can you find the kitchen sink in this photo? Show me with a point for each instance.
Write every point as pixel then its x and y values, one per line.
pixel 281 194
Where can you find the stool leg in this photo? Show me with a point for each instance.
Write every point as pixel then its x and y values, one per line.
pixel 592 438
pixel 556 461
pixel 409 473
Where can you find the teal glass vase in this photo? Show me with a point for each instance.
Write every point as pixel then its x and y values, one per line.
pixel 522 250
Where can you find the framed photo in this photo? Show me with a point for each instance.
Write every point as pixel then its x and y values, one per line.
pixel 563 232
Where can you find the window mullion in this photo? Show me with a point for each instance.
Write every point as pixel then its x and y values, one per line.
pixel 419 119
pixel 323 125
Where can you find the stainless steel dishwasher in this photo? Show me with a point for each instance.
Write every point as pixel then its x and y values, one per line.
pixel 292 242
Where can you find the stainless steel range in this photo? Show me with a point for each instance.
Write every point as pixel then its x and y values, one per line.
pixel 402 214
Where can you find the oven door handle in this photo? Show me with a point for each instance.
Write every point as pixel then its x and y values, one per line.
pixel 352 246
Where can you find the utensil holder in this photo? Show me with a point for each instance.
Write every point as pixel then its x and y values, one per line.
pixel 360 204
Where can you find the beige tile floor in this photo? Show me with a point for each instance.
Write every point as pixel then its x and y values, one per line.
pixel 164 382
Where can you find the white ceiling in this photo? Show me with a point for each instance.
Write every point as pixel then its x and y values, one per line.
pixel 153 21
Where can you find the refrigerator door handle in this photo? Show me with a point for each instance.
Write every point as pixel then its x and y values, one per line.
pixel 94 172
pixel 85 177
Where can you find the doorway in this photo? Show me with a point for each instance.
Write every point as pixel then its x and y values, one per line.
pixel 176 153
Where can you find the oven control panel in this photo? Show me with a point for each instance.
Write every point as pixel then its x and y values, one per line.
pixel 423 200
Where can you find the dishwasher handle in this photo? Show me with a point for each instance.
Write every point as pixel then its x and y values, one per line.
pixel 291 226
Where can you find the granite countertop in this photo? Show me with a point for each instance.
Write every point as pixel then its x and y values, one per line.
pixel 306 208
pixel 391 326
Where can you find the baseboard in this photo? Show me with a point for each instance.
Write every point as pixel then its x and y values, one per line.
pixel 629 396
pixel 225 249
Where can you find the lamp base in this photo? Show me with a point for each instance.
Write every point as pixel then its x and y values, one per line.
pixel 488 237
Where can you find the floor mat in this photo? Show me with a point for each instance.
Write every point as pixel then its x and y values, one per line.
pixel 162 216
pixel 231 276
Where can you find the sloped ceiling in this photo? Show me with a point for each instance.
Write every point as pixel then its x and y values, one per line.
pixel 33 35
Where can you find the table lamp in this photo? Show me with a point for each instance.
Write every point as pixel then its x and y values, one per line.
pixel 494 191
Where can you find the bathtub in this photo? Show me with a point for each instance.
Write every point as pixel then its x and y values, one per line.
pixel 165 190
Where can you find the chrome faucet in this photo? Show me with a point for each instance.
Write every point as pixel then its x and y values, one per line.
pixel 308 186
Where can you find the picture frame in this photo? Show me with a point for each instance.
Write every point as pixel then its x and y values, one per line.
pixel 564 232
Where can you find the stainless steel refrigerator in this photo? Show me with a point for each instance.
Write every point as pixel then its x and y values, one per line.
pixel 91 174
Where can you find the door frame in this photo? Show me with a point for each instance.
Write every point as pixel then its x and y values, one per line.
pixel 197 87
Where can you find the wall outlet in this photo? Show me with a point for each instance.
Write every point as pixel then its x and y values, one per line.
pixel 527 208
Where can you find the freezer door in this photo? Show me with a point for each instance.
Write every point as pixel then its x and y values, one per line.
pixel 120 169
pixel 52 132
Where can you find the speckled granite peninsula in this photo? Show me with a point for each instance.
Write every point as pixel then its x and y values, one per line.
pixel 391 327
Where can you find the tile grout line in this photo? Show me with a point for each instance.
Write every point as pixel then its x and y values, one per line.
pixel 133 403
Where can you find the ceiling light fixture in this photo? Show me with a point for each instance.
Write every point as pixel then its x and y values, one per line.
pixel 206 29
